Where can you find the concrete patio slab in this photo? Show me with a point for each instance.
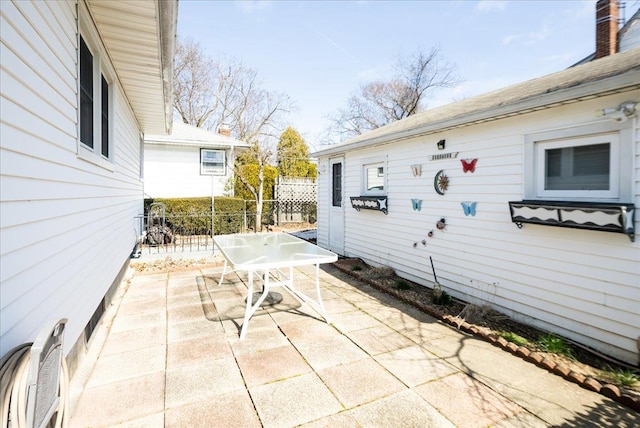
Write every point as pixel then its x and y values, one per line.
pixel 234 410
pixel 163 357
pixel 197 349
pixel 360 382
pixel 118 402
pixel 202 380
pixel 294 401
pixel 467 402
pixel 272 365
pixel 128 365
pixel 404 409
pixel 414 365
pixel 378 340
pixel 330 352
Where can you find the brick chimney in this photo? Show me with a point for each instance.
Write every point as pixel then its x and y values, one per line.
pixel 224 130
pixel 606 28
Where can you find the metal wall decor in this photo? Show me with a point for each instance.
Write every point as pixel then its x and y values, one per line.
pixel 416 169
pixel 469 165
pixel 417 204
pixel 441 224
pixel 469 208
pixel 606 217
pixel 424 242
pixel 378 203
pixel 441 182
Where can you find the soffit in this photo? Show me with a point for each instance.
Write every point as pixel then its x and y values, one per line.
pixel 132 31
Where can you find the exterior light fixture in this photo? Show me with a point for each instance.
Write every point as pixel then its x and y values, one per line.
pixel 620 113
pixel 441 145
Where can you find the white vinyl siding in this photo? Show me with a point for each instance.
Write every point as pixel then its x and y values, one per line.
pixel 584 285
pixel 172 171
pixel 68 226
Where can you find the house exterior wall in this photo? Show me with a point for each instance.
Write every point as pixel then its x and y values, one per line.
pixel 67 220
pixel 583 285
pixel 174 172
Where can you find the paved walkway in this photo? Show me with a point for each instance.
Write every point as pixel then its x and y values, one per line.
pixel 169 355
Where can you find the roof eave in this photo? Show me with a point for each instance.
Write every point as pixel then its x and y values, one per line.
pixel 623 82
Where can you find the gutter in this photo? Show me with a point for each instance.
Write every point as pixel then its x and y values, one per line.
pixel 167 29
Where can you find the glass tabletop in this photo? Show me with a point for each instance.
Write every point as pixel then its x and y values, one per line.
pixel 256 251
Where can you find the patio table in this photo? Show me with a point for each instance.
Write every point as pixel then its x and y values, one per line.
pixel 272 254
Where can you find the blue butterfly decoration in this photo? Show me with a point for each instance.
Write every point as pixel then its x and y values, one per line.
pixel 417 204
pixel 469 208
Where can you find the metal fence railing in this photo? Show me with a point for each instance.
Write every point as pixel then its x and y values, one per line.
pixel 161 232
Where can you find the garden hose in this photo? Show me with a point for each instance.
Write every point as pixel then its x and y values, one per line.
pixel 14 373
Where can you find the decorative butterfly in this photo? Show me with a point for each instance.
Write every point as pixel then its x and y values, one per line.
pixel 469 166
pixel 417 204
pixel 469 208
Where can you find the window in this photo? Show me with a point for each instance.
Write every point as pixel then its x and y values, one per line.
pixel 95 97
pixel 212 162
pixel 588 164
pixel 336 182
pixel 86 95
pixel 577 167
pixel 374 178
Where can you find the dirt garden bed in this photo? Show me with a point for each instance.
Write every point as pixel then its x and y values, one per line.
pixel 576 363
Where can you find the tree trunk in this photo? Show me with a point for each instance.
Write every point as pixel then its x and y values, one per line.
pixel 259 201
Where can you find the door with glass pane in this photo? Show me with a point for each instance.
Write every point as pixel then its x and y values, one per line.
pixel 336 205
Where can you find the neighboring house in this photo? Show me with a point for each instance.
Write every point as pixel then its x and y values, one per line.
pixel 189 162
pixel 610 39
pixel 81 82
pixel 558 156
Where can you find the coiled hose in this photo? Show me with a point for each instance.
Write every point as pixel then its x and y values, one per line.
pixel 14 375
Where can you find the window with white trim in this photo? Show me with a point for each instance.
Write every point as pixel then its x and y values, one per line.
pixel 579 164
pixel 95 95
pixel 212 162
pixel 577 167
pixel 374 180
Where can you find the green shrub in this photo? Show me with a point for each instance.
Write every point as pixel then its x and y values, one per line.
pixel 192 216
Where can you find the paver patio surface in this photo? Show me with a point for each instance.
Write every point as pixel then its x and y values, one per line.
pixel 168 354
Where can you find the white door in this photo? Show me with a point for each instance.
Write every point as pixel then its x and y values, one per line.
pixel 336 205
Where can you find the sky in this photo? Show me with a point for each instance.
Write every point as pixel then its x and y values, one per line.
pixel 321 52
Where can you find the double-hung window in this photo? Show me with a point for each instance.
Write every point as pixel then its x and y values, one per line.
pixel 212 162
pixel 95 98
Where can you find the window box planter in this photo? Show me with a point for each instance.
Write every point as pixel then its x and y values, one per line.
pixel 378 203
pixel 607 217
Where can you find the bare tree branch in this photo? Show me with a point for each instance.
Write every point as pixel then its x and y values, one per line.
pixel 381 102
pixel 208 94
